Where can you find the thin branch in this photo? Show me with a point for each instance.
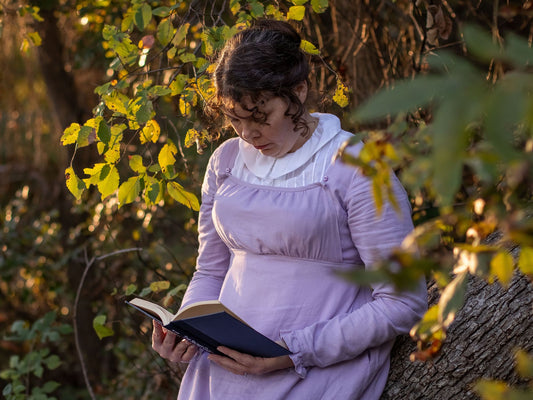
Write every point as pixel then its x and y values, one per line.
pixel 88 265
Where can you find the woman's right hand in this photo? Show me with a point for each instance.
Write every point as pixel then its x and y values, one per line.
pixel 170 346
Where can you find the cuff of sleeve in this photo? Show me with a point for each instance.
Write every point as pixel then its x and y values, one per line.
pixel 297 356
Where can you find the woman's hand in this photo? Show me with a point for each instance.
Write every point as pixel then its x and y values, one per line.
pixel 243 364
pixel 171 346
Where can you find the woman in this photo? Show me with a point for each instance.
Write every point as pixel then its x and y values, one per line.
pixel 279 219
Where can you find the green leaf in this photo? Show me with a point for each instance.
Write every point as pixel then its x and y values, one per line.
pixel 74 184
pixel 492 390
pixel 428 325
pixel 296 13
pixel 165 30
pixel 159 286
pixel 256 9
pixel 50 386
pixel 299 2
pixel 179 194
pixel 309 47
pixel 143 16
pixel 129 190
pixel 518 51
pixel 319 6
pixel 130 289
pixel 480 43
pixel 53 362
pixel 452 299
pixel 187 57
pixel 502 266
pixel 101 330
pixel 181 34
pixel 161 11
pixel 405 96
pixel 525 262
pixel 103 133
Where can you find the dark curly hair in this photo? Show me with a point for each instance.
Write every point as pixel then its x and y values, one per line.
pixel 262 61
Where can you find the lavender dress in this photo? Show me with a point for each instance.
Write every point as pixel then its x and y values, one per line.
pixel 271 253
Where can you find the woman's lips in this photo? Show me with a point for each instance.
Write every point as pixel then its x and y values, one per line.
pixel 261 147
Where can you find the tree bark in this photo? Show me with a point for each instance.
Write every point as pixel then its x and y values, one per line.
pixel 481 342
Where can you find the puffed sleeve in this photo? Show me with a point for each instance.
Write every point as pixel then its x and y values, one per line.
pixel 389 313
pixel 213 255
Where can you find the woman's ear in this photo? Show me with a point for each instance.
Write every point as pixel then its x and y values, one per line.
pixel 300 90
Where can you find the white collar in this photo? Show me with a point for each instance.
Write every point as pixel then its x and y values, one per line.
pixel 263 166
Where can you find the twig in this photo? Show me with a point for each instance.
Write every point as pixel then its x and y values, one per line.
pixel 88 265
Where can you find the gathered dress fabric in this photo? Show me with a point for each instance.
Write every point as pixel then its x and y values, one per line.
pixel 275 256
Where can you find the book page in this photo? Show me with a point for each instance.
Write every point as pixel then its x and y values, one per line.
pixel 153 308
pixel 204 308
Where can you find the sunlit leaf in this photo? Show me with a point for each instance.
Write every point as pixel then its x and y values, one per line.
pixel 74 184
pixel 150 132
pixel 502 266
pixel 191 137
pixel 109 182
pixel 179 194
pixel 491 390
pixel 159 286
pixel 70 134
pixel 309 47
pixel 452 299
pixel 129 190
pixel 116 103
pixel 101 330
pixel 340 97
pixel 525 261
pixel 178 84
pixel 296 13
pixel 136 164
pixel 166 156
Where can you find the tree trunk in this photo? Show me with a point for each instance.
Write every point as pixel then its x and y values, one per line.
pixel 481 342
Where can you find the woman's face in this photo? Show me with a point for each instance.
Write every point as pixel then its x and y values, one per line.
pixel 274 135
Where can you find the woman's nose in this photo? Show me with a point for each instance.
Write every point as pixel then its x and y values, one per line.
pixel 249 132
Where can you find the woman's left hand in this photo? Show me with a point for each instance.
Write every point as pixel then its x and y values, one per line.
pixel 243 364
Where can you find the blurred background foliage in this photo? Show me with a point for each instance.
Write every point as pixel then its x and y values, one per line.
pixel 107 98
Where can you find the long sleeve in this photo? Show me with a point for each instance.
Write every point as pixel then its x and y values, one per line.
pixel 388 313
pixel 213 255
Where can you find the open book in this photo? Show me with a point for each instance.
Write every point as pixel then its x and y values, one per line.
pixel 210 324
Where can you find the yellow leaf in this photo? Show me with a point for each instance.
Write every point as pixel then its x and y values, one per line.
pixel 340 97
pixel 309 47
pixel 191 137
pixel 159 286
pixel 112 155
pixel 502 266
pixel 525 262
pixel 109 182
pixel 136 164
pixel 74 184
pixel 179 194
pixel 185 107
pixel 166 156
pixel 129 190
pixel 70 135
pixel 296 13
pixel 150 132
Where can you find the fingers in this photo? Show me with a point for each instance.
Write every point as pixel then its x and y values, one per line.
pixel 170 346
pixel 236 362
